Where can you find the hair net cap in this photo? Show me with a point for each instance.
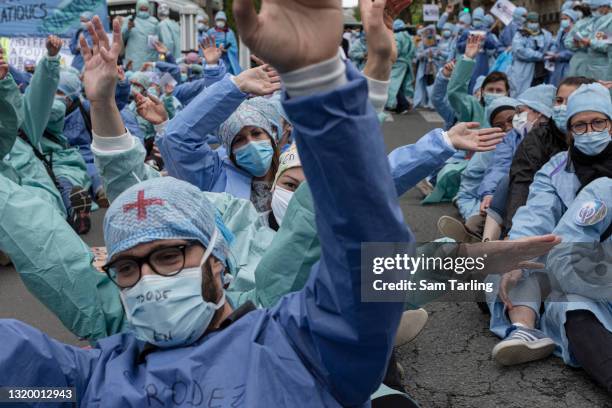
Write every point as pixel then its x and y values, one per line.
pixel 533 17
pixel 571 14
pixel 288 160
pixel 158 209
pixel 490 20
pixel 589 98
pixel 397 24
pixel 69 83
pixel 599 3
pixel 448 26
pixel 141 3
pixel 163 9
pixel 201 18
pixel 465 18
pixel 141 78
pixel 478 83
pixel 247 114
pixel 539 98
pixel 519 12
pixel 501 102
pixel 221 16
pixel 478 14
pixel 270 109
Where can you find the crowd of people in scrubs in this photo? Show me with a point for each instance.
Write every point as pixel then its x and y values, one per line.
pixel 237 199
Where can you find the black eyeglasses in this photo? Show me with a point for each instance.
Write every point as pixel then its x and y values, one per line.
pixel 598 125
pixel 126 272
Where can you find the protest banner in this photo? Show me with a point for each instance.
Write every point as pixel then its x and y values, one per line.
pixel 38 18
pixel 503 9
pixel 19 49
pixel 430 12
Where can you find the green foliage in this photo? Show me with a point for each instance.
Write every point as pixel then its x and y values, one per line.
pixel 357 13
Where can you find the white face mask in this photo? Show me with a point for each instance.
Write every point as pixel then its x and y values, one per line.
pixel 521 123
pixel 280 202
pixel 220 24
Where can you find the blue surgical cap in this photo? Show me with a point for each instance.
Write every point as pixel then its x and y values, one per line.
pixel 571 14
pixel 567 5
pixel 539 98
pixel 465 18
pixel 448 26
pixel 490 20
pixel 500 102
pixel 162 208
pixel 478 83
pixel 87 15
pixel 589 98
pixel 69 83
pixel 247 114
pixel 397 24
pixel 478 14
pixel 221 16
pixel 594 4
pixel 519 12
pixel 141 3
pixel 141 78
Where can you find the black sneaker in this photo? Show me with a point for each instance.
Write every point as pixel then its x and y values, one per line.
pixel 81 209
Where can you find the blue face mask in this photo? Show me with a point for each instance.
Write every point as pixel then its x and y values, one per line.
pixel 592 143
pixel 169 311
pixel 595 13
pixel 184 77
pixel 533 26
pixel 446 33
pixel 143 14
pixel 255 157
pixel 153 91
pixel 560 117
pixel 564 24
pixel 83 26
pixel 490 97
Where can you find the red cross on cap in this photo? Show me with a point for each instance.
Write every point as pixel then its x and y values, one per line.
pixel 141 205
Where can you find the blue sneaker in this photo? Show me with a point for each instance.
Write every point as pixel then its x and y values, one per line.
pixel 522 345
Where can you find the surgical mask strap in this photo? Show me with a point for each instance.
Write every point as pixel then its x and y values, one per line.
pixel 210 247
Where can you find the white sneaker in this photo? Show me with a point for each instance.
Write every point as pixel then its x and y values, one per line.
pixel 522 345
pixel 410 326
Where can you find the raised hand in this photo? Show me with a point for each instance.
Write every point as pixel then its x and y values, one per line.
pixel 160 47
pixel 382 49
pixel 212 54
pixel 467 136
pixel 473 45
pixel 448 69
pixel 150 108
pixel 259 81
pixel 4 68
pixel 291 34
pixel 100 70
pixel 54 45
pixel 450 8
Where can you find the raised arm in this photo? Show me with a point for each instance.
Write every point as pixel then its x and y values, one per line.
pixel 11 108
pixel 327 321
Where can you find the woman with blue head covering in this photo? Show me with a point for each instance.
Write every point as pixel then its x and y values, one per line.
pixel 224 37
pixel 559 54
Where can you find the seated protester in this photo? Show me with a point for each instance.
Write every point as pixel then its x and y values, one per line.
pixel 21 162
pixel 487 43
pixel 538 147
pixel 468 107
pixel 554 189
pixel 578 316
pixel 216 330
pixel 288 178
pixel 533 112
pixel 500 113
pixel 528 50
pixel 69 169
pixel 247 166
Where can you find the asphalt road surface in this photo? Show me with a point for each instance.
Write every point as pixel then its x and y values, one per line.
pixel 448 365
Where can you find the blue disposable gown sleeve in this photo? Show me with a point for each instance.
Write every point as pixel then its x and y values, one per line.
pixel 212 74
pixel 122 94
pixel 499 166
pixel 443 19
pixel 412 163
pixel 543 209
pixel 170 68
pixel 507 35
pixel 131 123
pixel 440 100
pixel 30 358
pixel 186 153
pixel 461 43
pixel 39 97
pixel 522 51
pixel 355 202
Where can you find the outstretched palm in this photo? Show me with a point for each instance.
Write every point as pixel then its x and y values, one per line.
pixel 100 71
pixel 291 34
